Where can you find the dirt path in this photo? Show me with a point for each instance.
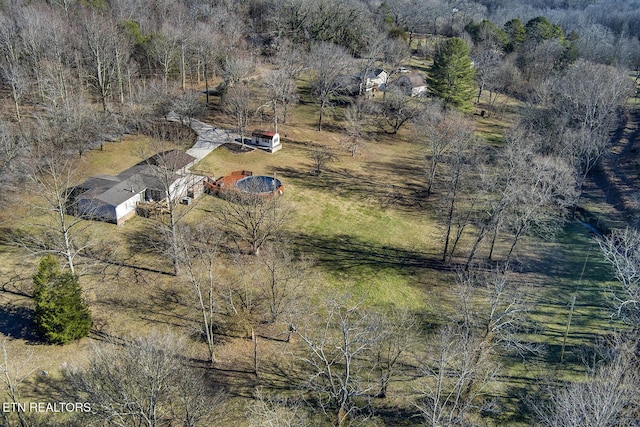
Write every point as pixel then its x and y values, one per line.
pixel 616 181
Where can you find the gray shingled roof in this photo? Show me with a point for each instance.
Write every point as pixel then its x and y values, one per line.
pixel 412 80
pixel 114 190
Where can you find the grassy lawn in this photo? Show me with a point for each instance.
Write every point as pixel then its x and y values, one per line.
pixel 382 247
pixel 373 235
pixel 555 272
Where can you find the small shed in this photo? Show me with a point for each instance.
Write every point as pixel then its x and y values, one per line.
pixel 267 140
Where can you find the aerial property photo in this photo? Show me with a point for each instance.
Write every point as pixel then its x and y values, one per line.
pixel 320 213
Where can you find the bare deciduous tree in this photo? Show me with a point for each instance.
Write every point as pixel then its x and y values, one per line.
pixel 170 182
pixel 188 106
pixel 281 90
pixel 321 157
pixel 495 310
pixel 531 192
pixel 588 98
pixel 281 282
pixel 237 102
pixel 397 109
pixel 198 250
pixel 11 69
pixel 235 68
pixel 11 147
pixel 52 176
pixel 164 49
pixel 356 116
pixel 13 373
pixel 437 129
pixel 539 198
pixel 101 39
pixel 281 82
pixel 251 219
pixel 455 375
pixel 461 361
pixel 486 59
pixel 606 397
pixel 330 63
pixel 621 249
pixel 268 411
pixel 142 381
pixel 459 160
pixel 204 44
pixel 336 356
pixel 398 329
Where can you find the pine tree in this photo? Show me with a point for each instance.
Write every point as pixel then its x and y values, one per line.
pixel 61 315
pixel 451 77
pixel 517 33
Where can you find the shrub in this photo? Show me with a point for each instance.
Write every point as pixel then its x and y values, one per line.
pixel 61 315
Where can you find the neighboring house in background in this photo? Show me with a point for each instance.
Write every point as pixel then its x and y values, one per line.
pixel 270 141
pixel 376 80
pixel 115 198
pixel 412 84
pixel 355 84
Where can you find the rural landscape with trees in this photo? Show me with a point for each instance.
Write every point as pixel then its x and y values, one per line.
pixel 320 213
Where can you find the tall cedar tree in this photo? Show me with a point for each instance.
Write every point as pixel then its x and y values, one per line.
pixel 61 315
pixel 451 77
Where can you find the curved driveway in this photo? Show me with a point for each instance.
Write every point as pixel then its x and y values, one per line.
pixel 209 137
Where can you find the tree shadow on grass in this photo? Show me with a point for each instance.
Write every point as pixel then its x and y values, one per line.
pixel 279 374
pixel 344 252
pixel 153 310
pixel 146 240
pixel 17 322
pixel 399 415
pixel 396 192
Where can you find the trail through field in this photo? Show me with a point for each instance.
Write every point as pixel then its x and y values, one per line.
pixel 617 178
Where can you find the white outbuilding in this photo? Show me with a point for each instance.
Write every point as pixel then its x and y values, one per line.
pixel 267 140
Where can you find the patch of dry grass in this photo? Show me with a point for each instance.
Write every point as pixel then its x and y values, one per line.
pixel 363 219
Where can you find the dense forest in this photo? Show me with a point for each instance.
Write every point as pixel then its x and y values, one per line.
pixel 457 243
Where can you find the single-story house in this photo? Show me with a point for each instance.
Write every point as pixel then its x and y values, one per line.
pixel 267 140
pixel 115 198
pixel 412 84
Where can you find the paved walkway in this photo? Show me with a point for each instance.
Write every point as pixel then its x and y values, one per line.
pixel 209 137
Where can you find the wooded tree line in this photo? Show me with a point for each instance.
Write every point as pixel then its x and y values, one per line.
pixel 79 72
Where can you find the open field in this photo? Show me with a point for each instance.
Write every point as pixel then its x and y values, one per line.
pixel 372 234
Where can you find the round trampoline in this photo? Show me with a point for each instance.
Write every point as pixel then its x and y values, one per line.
pixel 261 185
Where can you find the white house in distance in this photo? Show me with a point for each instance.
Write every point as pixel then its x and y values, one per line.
pixel 368 81
pixel 267 140
pixel 376 80
pixel 115 198
pixel 412 84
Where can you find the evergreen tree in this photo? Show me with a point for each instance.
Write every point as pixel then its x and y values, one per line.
pixel 540 29
pixel 488 33
pixel 451 77
pixel 516 32
pixel 60 314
